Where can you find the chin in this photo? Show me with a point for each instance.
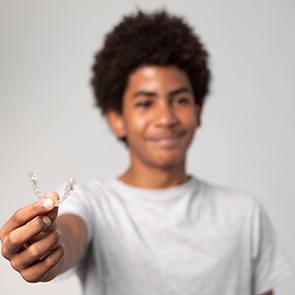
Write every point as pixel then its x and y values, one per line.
pixel 169 162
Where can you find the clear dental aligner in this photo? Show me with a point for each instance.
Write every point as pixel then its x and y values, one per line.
pixel 38 194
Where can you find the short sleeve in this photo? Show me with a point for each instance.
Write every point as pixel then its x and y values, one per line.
pixel 78 204
pixel 270 263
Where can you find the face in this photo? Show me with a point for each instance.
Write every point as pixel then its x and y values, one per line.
pixel 159 116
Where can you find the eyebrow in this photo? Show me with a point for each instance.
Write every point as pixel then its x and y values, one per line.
pixel 171 93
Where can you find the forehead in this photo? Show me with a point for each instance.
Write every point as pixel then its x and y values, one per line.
pixel 153 77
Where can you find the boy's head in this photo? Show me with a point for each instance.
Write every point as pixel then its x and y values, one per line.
pixel 150 80
pixel 140 39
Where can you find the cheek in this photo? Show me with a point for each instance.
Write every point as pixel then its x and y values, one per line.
pixel 135 123
pixel 189 119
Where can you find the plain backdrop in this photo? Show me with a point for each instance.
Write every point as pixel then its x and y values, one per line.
pixel 48 123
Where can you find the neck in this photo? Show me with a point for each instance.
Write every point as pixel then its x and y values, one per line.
pixel 154 177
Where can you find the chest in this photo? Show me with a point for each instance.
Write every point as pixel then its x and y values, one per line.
pixel 174 249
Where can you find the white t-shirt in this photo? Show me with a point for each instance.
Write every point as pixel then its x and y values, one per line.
pixel 194 238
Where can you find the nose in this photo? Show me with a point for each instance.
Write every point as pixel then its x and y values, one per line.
pixel 166 116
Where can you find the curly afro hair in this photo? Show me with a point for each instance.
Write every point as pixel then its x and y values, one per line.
pixel 141 39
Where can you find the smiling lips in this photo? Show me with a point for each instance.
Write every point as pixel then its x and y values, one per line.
pixel 167 139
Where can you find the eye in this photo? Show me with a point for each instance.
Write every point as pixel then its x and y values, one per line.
pixel 144 104
pixel 182 100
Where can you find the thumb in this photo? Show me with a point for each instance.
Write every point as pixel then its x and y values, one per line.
pixel 49 202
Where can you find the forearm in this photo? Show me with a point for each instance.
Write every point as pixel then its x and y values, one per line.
pixel 73 239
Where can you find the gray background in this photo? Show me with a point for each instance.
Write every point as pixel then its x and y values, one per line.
pixel 48 123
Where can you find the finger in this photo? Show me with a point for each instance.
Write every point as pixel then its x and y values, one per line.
pixel 18 237
pixel 40 236
pixel 52 214
pixel 27 213
pixel 43 234
pixel 36 272
pixel 35 252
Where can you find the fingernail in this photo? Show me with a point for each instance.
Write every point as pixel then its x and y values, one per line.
pixel 46 220
pixel 47 204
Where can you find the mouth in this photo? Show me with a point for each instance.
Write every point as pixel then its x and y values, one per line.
pixel 167 139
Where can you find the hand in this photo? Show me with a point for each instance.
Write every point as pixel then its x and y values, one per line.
pixel 31 240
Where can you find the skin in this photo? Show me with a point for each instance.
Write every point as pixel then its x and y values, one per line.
pixel 38 245
pixel 159 120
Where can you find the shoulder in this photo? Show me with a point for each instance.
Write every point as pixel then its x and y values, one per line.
pixel 229 199
pixel 88 195
pixel 85 201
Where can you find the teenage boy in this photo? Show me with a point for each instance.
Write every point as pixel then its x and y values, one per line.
pixel 155 229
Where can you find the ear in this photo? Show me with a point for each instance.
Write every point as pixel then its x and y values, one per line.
pixel 116 123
